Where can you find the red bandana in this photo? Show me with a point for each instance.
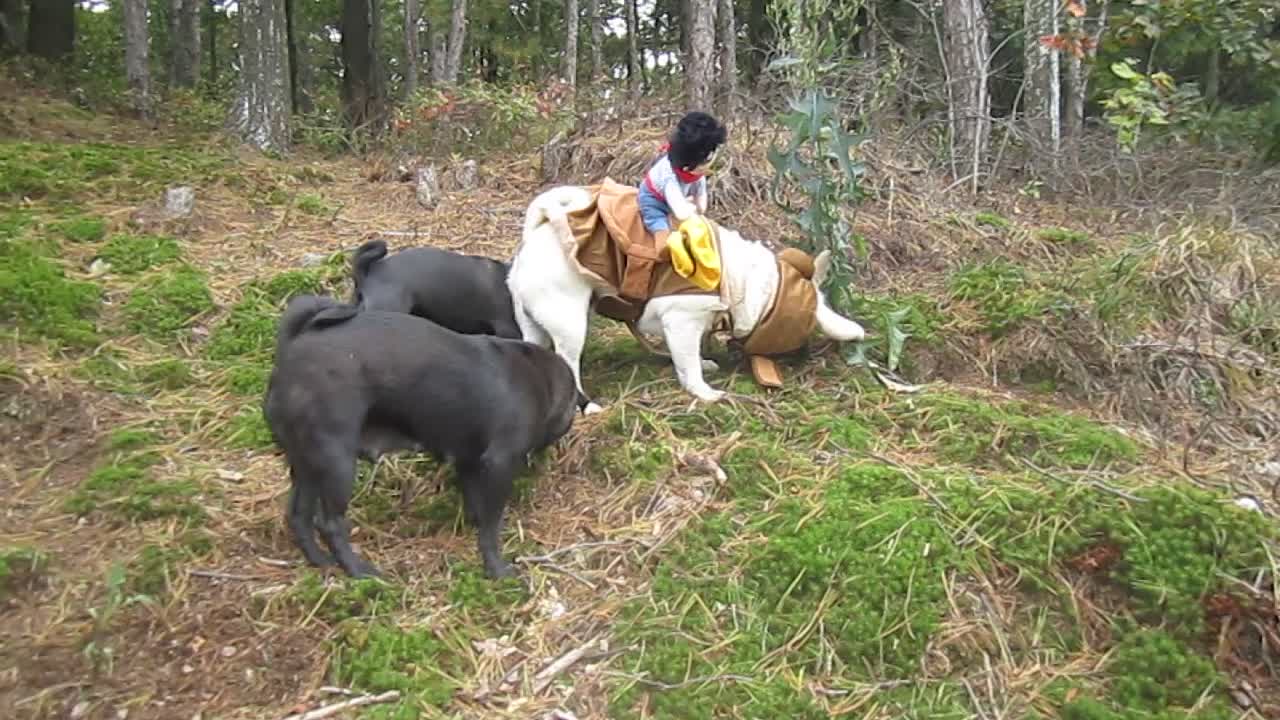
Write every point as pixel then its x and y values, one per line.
pixel 682 175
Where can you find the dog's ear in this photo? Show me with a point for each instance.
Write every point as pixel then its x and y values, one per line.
pixel 821 266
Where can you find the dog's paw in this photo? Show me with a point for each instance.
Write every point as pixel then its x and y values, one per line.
pixel 710 396
pixel 592 408
pixel 710 366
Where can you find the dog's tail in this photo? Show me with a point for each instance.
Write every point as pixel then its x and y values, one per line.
pixel 310 311
pixel 363 259
pixel 552 208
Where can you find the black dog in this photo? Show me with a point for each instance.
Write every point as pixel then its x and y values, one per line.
pixel 348 383
pixel 465 293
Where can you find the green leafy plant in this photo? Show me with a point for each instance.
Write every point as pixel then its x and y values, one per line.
pixel 1146 101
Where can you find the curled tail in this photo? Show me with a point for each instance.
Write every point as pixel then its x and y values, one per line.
pixel 307 311
pixel 552 207
pixel 363 259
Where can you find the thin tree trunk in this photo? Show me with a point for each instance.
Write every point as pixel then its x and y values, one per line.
pixel 137 69
pixel 260 114
pixel 699 70
pixel 212 16
pixel 457 36
pixel 184 43
pixel 728 33
pixel 1079 70
pixel 966 44
pixel 439 58
pixel 569 61
pixel 684 23
pixel 597 38
pixel 291 42
pixel 759 37
pixel 1041 99
pixel 633 47
pixel 362 84
pixel 12 16
pixel 1213 78
pixel 51 28
pixel 410 48
pixel 304 77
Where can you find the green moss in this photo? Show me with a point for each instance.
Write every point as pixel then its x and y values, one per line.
pixel 81 229
pixel 37 296
pixel 109 371
pixel 131 439
pixel 131 254
pixel 21 567
pixel 1004 294
pixel 154 568
pixel 248 430
pixel 992 220
pixel 169 374
pixel 1063 236
pixel 63 171
pixel 971 430
pixel 377 657
pixel 247 379
pixel 166 304
pixel 346 598
pixel 479 595
pixel 313 205
pixel 126 487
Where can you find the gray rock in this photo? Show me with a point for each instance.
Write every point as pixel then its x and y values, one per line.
pixel 179 201
pixel 466 175
pixel 428 189
pixel 314 259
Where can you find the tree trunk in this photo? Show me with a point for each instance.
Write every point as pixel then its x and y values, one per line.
pixel 569 61
pixel 457 36
pixel 184 43
pixel 12 14
pixel 684 25
pixel 1079 69
pixel 699 69
pixel 633 47
pixel 363 90
pixel 303 78
pixel 596 21
pixel 759 38
pixel 728 33
pixel 966 46
pixel 51 28
pixel 1041 98
pixel 260 114
pixel 1213 78
pixel 137 68
pixel 410 48
pixel 291 43
pixel 211 16
pixel 439 58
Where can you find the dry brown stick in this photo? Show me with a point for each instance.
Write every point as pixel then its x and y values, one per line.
pixel 564 662
pixel 331 710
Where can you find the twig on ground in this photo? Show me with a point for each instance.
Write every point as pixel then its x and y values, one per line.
pixel 331 710
pixel 682 684
pixel 225 576
pixel 549 673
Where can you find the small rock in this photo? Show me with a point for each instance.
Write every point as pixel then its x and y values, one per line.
pixel 122 713
pixel 229 651
pixel 99 267
pixel 187 669
pixel 466 175
pixel 313 259
pixel 1270 469
pixel 1249 502
pixel 232 476
pixel 179 201
pixel 428 189
pixel 79 711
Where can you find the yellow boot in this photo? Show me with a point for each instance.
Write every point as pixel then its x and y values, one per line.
pixel 699 247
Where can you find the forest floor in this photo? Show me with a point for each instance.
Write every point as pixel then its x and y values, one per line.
pixel 1048 528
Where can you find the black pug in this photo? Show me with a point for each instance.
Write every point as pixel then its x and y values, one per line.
pixel 465 293
pixel 350 383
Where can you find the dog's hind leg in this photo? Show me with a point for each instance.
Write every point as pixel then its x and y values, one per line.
pixel 301 519
pixel 684 333
pixel 486 487
pixel 565 320
pixel 336 474
pixel 530 330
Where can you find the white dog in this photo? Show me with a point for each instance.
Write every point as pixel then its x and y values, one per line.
pixel 552 298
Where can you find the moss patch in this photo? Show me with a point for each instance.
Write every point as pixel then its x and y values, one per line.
pixel 131 254
pixel 126 487
pixel 166 304
pixel 1004 294
pixel 81 229
pixel 37 296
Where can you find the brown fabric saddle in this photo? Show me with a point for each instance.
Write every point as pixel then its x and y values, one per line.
pixel 618 254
